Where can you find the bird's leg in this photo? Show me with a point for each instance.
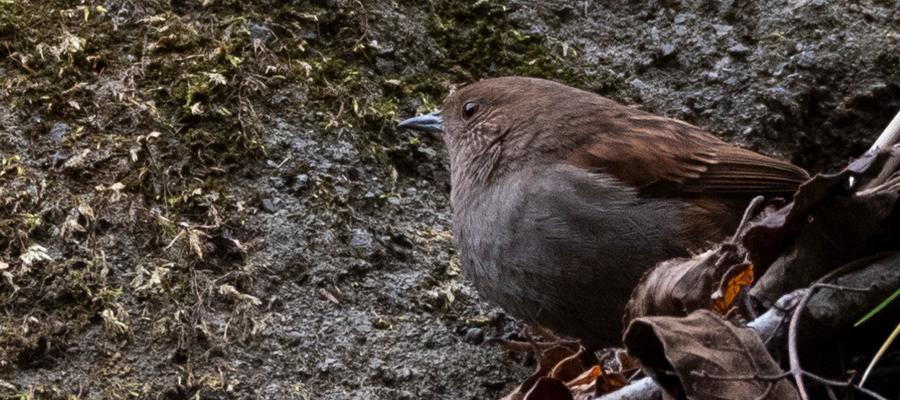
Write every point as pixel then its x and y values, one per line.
pixel 551 339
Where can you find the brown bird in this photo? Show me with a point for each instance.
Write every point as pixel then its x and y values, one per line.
pixel 562 199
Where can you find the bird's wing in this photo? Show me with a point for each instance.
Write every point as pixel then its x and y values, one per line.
pixel 653 152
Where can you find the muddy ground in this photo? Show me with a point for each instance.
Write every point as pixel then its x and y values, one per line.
pixel 209 198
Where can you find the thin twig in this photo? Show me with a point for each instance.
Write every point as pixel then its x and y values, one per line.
pixel 754 377
pixel 179 235
pixel 889 185
pixel 830 382
pixel 887 171
pixel 14 59
pixel 748 213
pixel 889 137
pixel 843 288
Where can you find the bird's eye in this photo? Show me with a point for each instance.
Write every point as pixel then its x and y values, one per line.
pixel 470 109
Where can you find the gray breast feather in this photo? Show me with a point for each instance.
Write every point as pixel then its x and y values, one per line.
pixel 522 251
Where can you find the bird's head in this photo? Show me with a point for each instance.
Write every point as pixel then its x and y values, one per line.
pixel 496 125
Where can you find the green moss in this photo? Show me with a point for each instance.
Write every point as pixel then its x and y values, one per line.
pixel 190 86
pixel 171 33
pixel 334 71
pixel 385 110
pixel 480 40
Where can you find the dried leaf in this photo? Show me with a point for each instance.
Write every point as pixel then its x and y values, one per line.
pixel 552 356
pixel 76 161
pixel 680 286
pixel 229 291
pixel 723 298
pixel 329 296
pixel 568 369
pixel 610 382
pixel 86 210
pixel 827 225
pixel 626 362
pixel 34 254
pixel 216 78
pixel 588 376
pixel 157 279
pixel 704 357
pixel 71 225
pixel 194 240
pixel 547 360
pixel 252 299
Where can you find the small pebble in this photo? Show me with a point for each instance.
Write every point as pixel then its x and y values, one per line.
pixel 269 206
pixel 58 132
pixel 739 50
pixel 474 336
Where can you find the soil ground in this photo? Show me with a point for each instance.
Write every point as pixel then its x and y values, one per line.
pixel 210 198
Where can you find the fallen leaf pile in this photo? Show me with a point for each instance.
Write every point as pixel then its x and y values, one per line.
pixel 568 371
pixel 767 314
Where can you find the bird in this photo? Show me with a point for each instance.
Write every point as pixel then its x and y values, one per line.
pixel 562 199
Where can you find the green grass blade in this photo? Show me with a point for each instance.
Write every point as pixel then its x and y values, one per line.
pixel 877 309
pixel 880 353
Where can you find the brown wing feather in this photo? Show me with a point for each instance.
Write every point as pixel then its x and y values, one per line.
pixel 649 151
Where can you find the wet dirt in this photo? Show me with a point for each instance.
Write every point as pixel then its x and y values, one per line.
pixel 210 199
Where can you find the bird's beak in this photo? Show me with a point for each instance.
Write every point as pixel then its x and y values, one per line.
pixel 425 123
